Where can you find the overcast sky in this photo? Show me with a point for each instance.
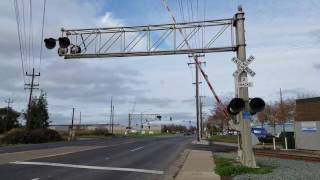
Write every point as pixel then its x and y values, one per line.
pixel 283 36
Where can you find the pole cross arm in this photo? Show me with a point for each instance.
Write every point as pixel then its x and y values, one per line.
pixel 149 40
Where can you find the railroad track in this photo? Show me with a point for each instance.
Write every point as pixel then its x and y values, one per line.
pixel 288 155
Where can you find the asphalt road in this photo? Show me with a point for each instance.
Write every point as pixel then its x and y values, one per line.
pixel 115 158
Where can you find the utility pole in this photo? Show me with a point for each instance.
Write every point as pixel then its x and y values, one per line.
pixel 129 121
pixel 31 86
pixel 72 119
pixel 281 110
pixel 80 120
pixel 9 101
pixel 110 114
pixel 112 119
pixel 201 115
pixel 141 122
pixel 197 95
pixel 246 154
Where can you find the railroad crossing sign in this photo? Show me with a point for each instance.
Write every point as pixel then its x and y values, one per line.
pixel 244 82
pixel 243 66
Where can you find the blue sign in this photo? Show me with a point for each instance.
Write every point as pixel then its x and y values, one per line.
pixel 259 132
pixel 246 115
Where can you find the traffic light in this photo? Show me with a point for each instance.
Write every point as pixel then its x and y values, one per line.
pixel 256 105
pixel 64 42
pixel 237 104
pixel 50 43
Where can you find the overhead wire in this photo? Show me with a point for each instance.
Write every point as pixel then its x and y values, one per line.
pixel 197 62
pixel 42 32
pixel 17 13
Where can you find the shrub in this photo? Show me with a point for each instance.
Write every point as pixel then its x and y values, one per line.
pixel 17 136
pixel 96 132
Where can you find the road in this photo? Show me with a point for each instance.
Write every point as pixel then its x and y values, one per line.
pixel 111 158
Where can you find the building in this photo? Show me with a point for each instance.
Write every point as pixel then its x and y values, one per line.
pixel 307 124
pixel 117 128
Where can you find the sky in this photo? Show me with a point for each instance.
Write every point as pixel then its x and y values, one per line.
pixel 283 36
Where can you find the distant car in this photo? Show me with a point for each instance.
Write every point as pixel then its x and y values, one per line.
pixel 187 133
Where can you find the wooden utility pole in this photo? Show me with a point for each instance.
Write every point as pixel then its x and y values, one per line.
pixel 281 111
pixel 201 115
pixel 129 121
pixel 31 86
pixel 112 119
pixel 72 119
pixel 197 95
pixel 9 101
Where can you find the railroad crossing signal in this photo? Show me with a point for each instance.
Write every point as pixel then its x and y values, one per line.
pixel 237 105
pixel 243 66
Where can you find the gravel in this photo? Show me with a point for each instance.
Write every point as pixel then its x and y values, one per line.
pixel 283 169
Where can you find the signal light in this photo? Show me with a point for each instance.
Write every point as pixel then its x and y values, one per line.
pixel 62 51
pixel 75 49
pixel 235 106
pixel 256 105
pixel 50 43
pixel 64 42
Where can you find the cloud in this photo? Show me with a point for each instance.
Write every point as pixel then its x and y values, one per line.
pixel 316 66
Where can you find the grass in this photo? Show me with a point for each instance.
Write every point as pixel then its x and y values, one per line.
pixel 224 138
pixel 228 167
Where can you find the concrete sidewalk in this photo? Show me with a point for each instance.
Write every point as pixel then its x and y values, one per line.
pixel 199 165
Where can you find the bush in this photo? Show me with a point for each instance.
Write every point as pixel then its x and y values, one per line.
pixel 96 132
pixel 23 136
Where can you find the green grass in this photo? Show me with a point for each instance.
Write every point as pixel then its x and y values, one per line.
pixel 228 167
pixel 224 138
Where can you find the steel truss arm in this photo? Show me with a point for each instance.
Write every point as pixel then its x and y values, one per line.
pixel 150 40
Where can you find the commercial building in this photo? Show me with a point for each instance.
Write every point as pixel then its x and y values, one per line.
pixel 307 124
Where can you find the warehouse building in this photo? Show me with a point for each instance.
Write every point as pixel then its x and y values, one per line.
pixel 307 124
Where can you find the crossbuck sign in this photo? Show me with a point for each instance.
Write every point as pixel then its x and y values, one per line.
pixel 243 66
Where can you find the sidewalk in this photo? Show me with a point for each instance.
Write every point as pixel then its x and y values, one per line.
pixel 199 165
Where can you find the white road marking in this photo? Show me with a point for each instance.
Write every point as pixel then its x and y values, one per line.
pixel 106 158
pixel 89 167
pixel 136 149
pixel 35 179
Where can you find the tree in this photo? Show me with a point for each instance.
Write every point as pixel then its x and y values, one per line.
pixel 37 115
pixel 8 119
pixel 217 117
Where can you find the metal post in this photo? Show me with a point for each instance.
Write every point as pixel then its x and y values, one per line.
pixel 197 100
pixel 201 117
pixel 247 157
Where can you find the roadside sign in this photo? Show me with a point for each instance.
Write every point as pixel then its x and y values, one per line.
pixel 245 84
pixel 259 132
pixel 246 115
